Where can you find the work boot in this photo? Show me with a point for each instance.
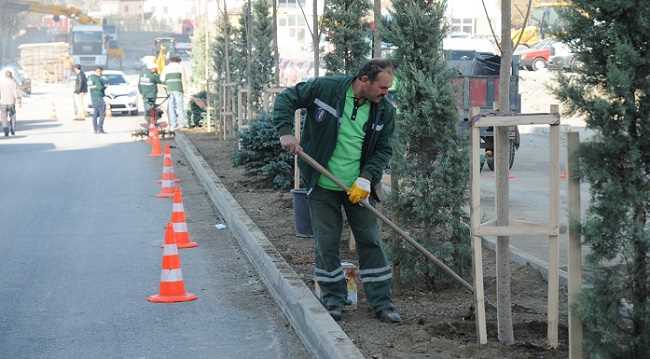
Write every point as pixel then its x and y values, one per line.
pixel 388 315
pixel 6 129
pixel 336 311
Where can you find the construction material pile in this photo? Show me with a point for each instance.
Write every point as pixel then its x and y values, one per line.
pixel 46 62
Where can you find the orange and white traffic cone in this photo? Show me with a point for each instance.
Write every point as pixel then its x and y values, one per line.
pixel 181 235
pixel 150 132
pixel 155 144
pixel 168 167
pixel 172 286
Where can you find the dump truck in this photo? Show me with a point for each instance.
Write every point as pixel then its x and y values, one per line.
pixel 543 20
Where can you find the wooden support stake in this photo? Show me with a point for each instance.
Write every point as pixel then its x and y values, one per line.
pixel 554 248
pixel 352 243
pixel 575 248
pixel 504 262
pixel 475 219
pixel 297 131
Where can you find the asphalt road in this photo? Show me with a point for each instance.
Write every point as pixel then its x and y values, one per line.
pixel 80 235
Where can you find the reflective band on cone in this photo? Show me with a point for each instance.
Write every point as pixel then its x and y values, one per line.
pixel 181 234
pixel 166 189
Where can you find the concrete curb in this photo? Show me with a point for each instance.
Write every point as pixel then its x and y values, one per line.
pixel 321 335
pixel 522 258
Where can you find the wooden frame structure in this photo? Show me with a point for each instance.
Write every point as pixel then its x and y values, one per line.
pixel 226 113
pixel 552 229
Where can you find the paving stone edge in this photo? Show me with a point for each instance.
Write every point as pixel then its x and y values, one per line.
pixel 320 334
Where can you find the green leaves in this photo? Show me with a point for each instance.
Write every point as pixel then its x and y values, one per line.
pixel 349 34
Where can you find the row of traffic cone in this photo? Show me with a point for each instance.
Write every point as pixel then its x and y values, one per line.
pixel 172 285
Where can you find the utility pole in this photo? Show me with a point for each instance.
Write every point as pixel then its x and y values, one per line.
pixel 376 39
pixel 502 163
pixel 316 38
pixel 208 117
pixel 276 52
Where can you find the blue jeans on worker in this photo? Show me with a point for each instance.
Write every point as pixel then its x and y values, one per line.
pixel 99 111
pixel 175 110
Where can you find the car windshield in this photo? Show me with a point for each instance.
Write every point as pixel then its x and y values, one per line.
pixel 115 79
pixel 87 36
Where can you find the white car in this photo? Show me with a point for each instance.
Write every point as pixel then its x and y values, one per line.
pixel 120 95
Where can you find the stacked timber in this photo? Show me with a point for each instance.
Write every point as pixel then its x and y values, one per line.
pixel 46 62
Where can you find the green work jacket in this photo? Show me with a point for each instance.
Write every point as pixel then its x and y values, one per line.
pixel 324 100
pixel 97 88
pixel 148 84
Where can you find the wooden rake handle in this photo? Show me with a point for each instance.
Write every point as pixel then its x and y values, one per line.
pixel 317 166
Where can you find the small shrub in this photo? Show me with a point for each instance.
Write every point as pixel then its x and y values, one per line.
pixel 261 154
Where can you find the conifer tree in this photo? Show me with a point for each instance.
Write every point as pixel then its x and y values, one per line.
pixel 430 159
pixel 262 40
pixel 240 49
pixel 611 88
pixel 348 32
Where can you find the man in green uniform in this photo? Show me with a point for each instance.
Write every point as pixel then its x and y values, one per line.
pixel 348 130
pixel 148 87
pixel 97 87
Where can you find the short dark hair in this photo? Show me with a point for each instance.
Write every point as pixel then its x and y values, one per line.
pixel 77 66
pixel 373 67
pixel 99 68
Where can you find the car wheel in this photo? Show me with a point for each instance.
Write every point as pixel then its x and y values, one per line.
pixel 539 64
pixel 134 113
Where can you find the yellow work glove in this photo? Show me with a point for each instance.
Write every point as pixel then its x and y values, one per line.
pixel 359 191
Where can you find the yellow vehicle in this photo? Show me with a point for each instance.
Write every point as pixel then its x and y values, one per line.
pixel 544 18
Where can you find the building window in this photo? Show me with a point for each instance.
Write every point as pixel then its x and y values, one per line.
pixel 293 25
pixel 464 25
pixel 291 2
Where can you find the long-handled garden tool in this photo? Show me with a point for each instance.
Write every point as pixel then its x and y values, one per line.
pixel 317 166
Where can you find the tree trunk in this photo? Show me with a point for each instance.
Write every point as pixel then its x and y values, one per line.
pixel 376 40
pixel 276 52
pixel 316 38
pixel 249 60
pixel 640 289
pixel 504 267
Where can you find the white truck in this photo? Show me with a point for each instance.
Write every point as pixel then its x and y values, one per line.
pixel 88 45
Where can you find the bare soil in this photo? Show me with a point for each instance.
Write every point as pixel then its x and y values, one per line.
pixel 435 322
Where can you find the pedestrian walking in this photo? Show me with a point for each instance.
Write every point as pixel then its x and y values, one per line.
pixel 9 96
pixel 97 87
pixel 348 130
pixel 173 77
pixel 148 88
pixel 80 92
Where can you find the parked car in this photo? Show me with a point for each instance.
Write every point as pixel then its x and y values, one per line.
pixel 564 59
pixel 120 95
pixel 538 56
pixel 24 83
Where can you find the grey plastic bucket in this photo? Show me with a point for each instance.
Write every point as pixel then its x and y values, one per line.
pixel 301 214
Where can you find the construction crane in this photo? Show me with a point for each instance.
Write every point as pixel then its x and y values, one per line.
pixel 50 9
pixel 89 34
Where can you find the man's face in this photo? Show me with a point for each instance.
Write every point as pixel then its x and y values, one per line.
pixel 98 72
pixel 377 89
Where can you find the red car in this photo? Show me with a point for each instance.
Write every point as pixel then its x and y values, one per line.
pixel 537 56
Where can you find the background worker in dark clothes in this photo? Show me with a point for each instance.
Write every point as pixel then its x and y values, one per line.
pixel 97 87
pixel 80 91
pixel 348 129
pixel 148 88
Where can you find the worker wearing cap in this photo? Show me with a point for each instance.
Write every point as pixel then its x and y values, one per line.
pixel 348 130
pixel 148 88
pixel 97 88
